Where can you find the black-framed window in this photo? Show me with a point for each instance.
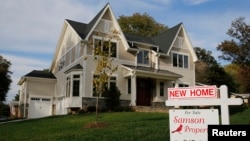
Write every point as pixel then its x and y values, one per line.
pixel 112 81
pixel 161 88
pixel 106 46
pixel 73 85
pixel 180 60
pixel 129 85
pixel 183 85
pixel 143 57
pixel 76 85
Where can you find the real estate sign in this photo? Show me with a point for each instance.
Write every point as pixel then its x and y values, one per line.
pixel 191 124
pixel 192 92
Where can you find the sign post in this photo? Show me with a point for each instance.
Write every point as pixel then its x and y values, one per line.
pixel 202 96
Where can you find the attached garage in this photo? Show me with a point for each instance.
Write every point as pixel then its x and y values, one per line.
pixel 36 94
pixel 40 107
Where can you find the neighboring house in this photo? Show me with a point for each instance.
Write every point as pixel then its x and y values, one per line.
pixel 147 67
pixel 245 97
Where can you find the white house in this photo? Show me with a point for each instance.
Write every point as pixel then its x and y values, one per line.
pixel 147 67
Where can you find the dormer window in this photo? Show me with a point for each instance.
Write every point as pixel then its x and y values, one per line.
pixel 143 57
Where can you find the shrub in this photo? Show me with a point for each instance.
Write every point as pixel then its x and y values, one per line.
pixel 112 97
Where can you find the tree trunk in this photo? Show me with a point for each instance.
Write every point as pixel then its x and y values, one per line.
pixel 97 107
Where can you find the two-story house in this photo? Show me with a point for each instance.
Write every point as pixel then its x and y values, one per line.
pixel 147 67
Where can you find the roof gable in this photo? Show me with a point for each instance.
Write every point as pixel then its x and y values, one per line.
pixel 77 67
pixel 165 39
pixel 83 29
pixel 37 74
pixel 93 24
pixel 139 39
pixel 80 28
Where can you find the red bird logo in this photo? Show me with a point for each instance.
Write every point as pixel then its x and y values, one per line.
pixel 178 129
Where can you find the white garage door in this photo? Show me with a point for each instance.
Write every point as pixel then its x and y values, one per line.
pixel 40 107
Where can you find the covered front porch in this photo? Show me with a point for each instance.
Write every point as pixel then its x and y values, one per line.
pixel 149 86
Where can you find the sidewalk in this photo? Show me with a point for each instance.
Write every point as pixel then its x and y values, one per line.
pixel 9 121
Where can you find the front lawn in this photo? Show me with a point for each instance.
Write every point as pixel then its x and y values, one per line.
pixel 118 126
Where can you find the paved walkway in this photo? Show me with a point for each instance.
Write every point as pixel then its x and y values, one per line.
pixel 9 121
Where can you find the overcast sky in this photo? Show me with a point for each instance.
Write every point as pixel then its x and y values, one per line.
pixel 30 29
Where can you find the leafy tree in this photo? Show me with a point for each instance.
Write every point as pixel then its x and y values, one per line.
pixel 5 78
pixel 16 98
pixel 205 63
pixel 233 71
pixel 237 50
pixel 141 24
pixel 104 65
pixel 244 79
pixel 4 109
pixel 209 72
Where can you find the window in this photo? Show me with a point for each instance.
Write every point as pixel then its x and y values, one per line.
pixel 143 57
pixel 180 60
pixel 35 98
pixel 129 85
pixel 68 85
pixel 73 85
pixel 45 99
pixel 76 85
pixel 112 81
pixel 106 47
pixel 161 88
pixel 183 85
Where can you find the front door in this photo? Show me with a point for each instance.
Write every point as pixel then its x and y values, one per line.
pixel 143 92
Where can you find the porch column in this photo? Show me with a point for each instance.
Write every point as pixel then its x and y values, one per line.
pixel 133 90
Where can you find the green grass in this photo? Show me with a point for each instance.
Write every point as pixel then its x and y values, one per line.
pixel 121 126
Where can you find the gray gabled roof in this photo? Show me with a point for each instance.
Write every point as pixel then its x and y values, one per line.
pixel 162 40
pixel 154 71
pixel 82 29
pixel 166 38
pixel 37 74
pixel 140 39
pixel 40 74
pixel 76 67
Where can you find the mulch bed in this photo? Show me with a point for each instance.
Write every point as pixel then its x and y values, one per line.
pixel 96 125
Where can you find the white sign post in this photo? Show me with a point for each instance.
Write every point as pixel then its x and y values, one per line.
pixel 203 96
